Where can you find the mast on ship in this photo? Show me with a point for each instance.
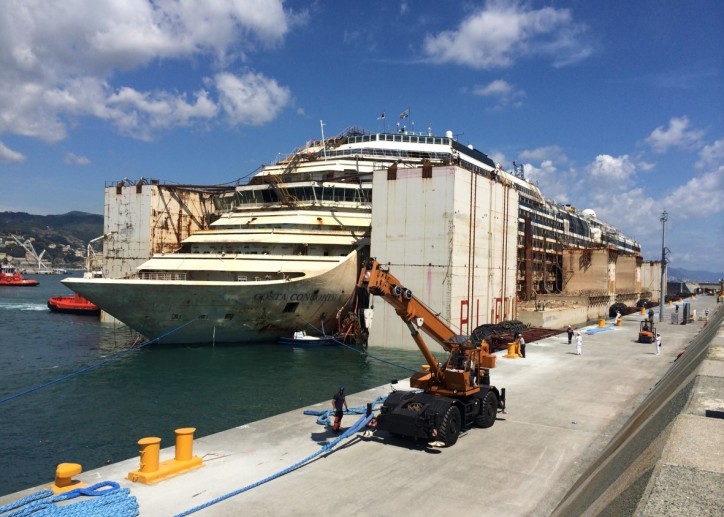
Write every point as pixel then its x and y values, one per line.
pixel 324 143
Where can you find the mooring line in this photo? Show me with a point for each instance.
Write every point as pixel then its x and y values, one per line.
pixel 359 424
pixel 93 366
pixel 361 352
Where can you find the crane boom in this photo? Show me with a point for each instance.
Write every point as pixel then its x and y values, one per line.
pixel 475 360
pixel 379 281
pixel 454 395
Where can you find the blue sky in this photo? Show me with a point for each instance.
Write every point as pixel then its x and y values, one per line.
pixel 615 106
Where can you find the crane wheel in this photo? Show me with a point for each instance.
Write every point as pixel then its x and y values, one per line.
pixel 488 411
pixel 450 428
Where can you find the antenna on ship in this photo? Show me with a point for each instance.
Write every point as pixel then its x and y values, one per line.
pixel 519 170
pixel 324 143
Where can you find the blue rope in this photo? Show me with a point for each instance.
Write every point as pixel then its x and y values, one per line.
pixel 596 330
pixel 324 416
pixel 349 432
pixel 93 366
pixel 108 498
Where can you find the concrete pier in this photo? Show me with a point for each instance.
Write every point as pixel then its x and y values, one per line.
pixel 542 457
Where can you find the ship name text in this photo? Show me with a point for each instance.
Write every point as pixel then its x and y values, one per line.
pixel 298 297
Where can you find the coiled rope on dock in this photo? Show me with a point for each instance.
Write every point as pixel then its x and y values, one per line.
pixel 106 498
pixel 358 425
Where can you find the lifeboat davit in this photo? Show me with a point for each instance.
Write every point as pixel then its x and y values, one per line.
pixel 75 304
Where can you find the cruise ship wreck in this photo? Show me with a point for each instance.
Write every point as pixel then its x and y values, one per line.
pixel 281 253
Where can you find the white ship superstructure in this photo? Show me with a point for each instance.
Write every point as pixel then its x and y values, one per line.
pixel 282 253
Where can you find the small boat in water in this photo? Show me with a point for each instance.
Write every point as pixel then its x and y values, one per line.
pixel 10 276
pixel 302 339
pixel 74 304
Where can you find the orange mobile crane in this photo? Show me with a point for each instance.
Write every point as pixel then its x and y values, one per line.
pixel 448 397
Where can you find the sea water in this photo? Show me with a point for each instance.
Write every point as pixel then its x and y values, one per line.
pixel 109 395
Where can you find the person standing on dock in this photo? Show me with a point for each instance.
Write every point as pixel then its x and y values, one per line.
pixel 570 334
pixel 521 341
pixel 658 344
pixel 579 343
pixel 339 404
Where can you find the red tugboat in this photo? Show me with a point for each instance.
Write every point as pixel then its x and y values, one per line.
pixel 74 304
pixel 10 276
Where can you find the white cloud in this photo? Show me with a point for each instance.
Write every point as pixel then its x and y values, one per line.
pixel 617 169
pixel 607 183
pixel 139 113
pixel 548 168
pixel 677 134
pixel 74 159
pixel 251 98
pixel 59 60
pixel 498 158
pixel 610 186
pixel 700 196
pixel 502 32
pixel 645 166
pixel 627 210
pixel 543 175
pixel 711 154
pixel 351 36
pixel 502 91
pixel 9 156
pixel 693 207
pixel 550 152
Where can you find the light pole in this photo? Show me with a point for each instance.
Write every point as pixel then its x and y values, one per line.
pixel 664 218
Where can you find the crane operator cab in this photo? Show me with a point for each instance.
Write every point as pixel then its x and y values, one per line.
pixel 463 360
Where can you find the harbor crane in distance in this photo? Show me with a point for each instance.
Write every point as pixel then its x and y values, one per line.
pixel 42 268
pixel 446 398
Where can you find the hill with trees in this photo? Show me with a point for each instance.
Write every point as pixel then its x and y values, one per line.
pixel 63 237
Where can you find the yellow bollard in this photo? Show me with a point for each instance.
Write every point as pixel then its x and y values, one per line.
pixel 601 323
pixel 643 311
pixel 513 351
pixel 184 443
pixel 64 477
pixel 150 452
pixel 619 322
pixel 152 471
